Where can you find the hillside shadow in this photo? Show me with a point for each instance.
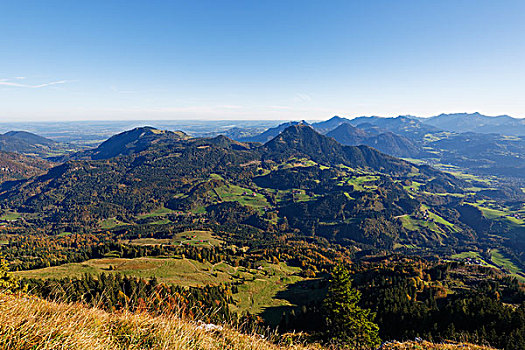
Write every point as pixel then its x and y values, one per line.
pixel 298 294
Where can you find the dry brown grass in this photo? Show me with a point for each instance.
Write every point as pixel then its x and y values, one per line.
pixel 31 323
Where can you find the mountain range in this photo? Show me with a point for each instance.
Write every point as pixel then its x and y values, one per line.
pixel 476 122
pixel 148 167
pixel 422 139
pixel 138 170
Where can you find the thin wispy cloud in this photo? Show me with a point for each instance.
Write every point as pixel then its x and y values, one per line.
pixel 301 97
pixel 9 82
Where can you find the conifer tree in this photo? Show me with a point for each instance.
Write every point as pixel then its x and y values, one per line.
pixel 348 325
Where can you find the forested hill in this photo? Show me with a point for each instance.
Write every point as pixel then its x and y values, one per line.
pixel 14 166
pixel 129 142
pixel 303 140
pixel 27 143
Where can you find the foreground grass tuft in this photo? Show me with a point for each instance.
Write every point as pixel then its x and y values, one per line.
pixel 31 323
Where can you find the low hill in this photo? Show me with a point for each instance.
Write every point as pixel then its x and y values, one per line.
pixel 129 142
pixel 27 143
pixel 30 138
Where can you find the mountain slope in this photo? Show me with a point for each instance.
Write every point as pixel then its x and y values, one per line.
pixel 30 144
pixel 14 166
pixel 302 140
pixel 31 323
pixel 347 134
pixel 388 142
pixel 129 142
pixel 393 145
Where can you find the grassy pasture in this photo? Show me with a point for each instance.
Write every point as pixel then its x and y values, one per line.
pixel 413 224
pixel 195 238
pixel 504 262
pixel 184 272
pixel 260 291
pixel 362 183
pixel 158 212
pixel 110 223
pixel 472 255
pixel 10 216
pixel 245 196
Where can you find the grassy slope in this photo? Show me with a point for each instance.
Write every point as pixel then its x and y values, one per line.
pixel 10 216
pixel 194 238
pixel 257 293
pixel 502 261
pixel 30 323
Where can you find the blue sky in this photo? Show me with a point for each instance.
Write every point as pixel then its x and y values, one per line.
pixel 247 59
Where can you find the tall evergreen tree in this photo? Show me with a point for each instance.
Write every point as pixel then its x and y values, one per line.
pixel 348 325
